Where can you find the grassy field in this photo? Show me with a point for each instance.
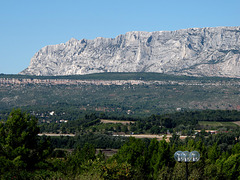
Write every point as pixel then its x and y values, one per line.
pixel 219 124
pixel 116 121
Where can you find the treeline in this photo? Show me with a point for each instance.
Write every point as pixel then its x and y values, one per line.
pixel 210 115
pixel 102 141
pixel 154 124
pixel 90 129
pixel 118 76
pixel 85 122
pixel 24 155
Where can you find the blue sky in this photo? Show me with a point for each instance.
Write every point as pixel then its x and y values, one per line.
pixel 28 25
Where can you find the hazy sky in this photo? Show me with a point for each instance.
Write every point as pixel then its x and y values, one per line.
pixel 28 25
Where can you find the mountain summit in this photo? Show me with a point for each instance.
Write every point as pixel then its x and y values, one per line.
pixel 193 52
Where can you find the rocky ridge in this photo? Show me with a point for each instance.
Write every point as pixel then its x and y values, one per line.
pixel 194 52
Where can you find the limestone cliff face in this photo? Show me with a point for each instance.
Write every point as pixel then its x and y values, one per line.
pixel 195 51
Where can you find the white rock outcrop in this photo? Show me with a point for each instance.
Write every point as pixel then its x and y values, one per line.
pixel 194 51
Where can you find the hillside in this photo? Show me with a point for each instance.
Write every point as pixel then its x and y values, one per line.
pixel 121 93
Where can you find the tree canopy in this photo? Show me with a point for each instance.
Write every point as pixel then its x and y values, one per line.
pixel 20 146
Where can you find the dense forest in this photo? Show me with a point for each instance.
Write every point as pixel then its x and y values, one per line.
pixel 154 94
pixel 25 155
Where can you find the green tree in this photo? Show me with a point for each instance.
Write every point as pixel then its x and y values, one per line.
pixel 133 153
pixel 236 148
pixel 151 156
pixel 213 152
pixel 231 167
pixel 167 122
pixel 20 145
pixel 175 139
pixel 77 161
pixel 163 158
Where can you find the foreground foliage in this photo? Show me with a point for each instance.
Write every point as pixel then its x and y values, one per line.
pixel 20 147
pixel 23 155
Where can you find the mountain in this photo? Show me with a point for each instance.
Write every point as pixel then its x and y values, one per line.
pixel 193 52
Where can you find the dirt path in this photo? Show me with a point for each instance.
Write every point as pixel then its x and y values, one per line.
pixel 237 123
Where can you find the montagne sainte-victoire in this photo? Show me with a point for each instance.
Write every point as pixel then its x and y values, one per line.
pixel 194 52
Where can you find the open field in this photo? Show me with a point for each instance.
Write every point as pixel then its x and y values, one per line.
pixel 151 136
pixel 116 121
pixel 217 124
